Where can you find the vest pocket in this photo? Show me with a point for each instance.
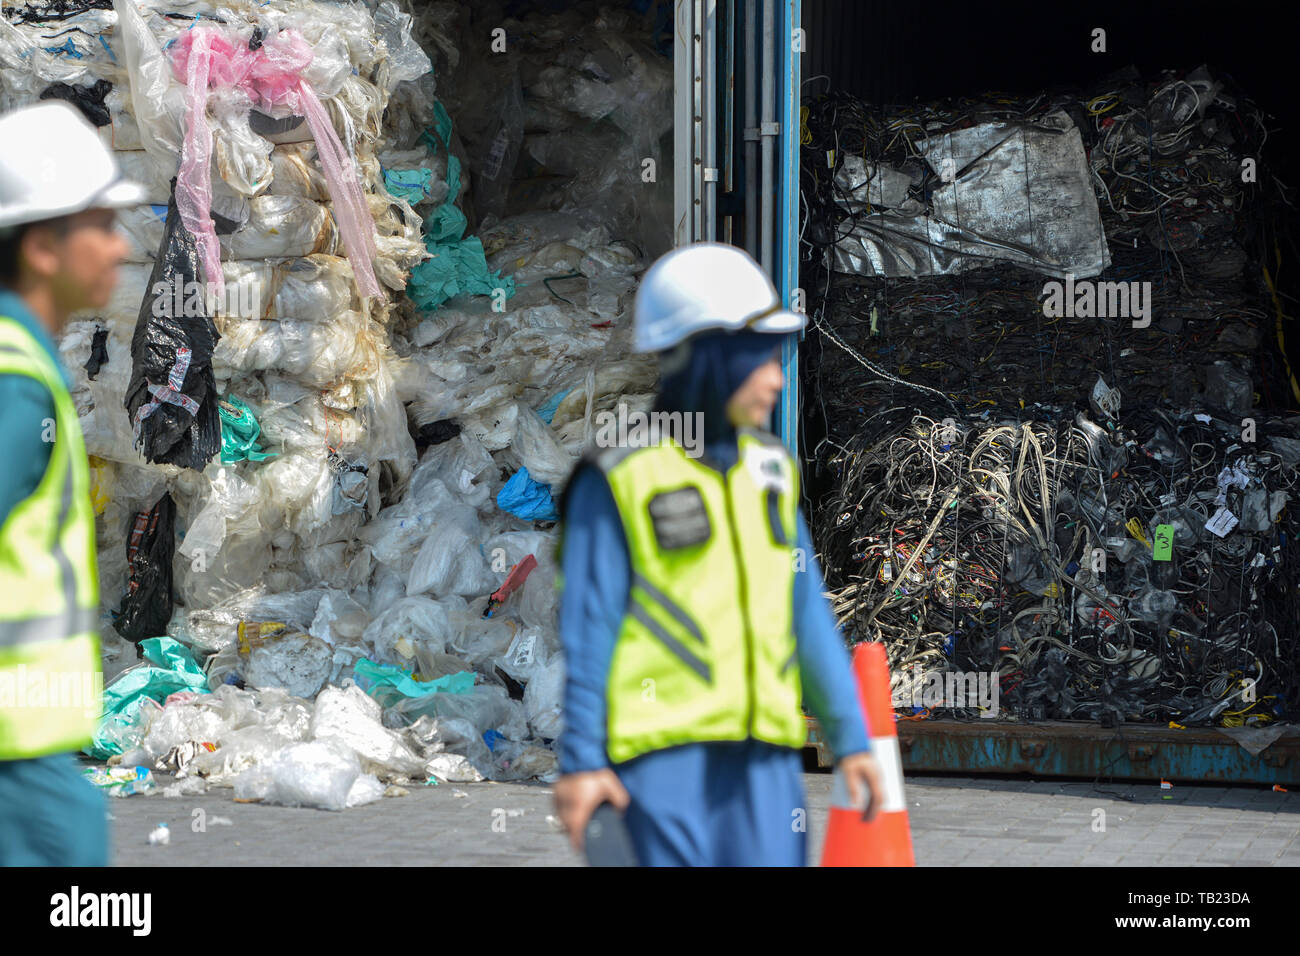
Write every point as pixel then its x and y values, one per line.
pixel 679 518
pixel 774 518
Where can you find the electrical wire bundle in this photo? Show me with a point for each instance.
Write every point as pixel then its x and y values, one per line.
pixel 980 511
pixel 1166 164
pixel 1027 548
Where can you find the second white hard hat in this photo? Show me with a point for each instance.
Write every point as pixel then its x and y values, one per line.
pixel 706 285
pixel 53 163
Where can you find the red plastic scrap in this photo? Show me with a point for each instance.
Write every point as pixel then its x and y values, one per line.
pixel 514 580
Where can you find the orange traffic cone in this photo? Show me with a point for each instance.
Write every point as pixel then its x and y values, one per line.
pixel 886 840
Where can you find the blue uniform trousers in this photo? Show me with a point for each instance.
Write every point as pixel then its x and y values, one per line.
pixel 717 804
pixel 50 815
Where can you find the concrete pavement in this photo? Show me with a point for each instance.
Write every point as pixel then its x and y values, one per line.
pixel 956 821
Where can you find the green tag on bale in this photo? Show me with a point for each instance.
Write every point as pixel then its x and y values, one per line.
pixel 1163 549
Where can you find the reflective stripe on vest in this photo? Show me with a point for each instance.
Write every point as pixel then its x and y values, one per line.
pixel 49 589
pixel 706 648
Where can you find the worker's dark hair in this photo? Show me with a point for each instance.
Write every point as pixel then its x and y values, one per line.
pixel 11 242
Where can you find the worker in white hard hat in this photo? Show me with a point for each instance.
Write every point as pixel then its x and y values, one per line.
pixel 59 254
pixel 692 617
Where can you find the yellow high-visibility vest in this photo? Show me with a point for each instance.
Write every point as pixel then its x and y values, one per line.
pixel 706 648
pixel 50 679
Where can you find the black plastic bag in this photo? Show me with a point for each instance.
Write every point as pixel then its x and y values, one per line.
pixel 172 397
pixel 147 607
pixel 88 99
pixel 98 353
pixel 435 433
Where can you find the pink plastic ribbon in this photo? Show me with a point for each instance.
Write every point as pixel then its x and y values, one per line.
pixel 194 179
pixel 271 76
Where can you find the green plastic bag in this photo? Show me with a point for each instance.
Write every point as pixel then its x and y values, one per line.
pixel 239 432
pixel 388 684
pixel 458 266
pixel 409 184
pixel 125 716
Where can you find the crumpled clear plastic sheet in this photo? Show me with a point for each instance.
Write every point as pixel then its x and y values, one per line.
pixel 257 724
pixel 538 450
pixel 156 103
pixel 339 618
pixel 281 227
pixel 304 289
pixel 298 663
pixel 316 353
pixel 449 561
pixel 453 768
pixel 322 774
pixel 513 760
pixel 487 707
pixel 181 721
pixel 348 714
pixel 415 622
pixel 406 60
pixel 543 699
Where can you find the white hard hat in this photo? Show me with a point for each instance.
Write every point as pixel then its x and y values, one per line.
pixel 52 163
pixel 706 285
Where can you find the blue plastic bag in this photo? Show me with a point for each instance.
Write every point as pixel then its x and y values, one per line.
pixel 527 499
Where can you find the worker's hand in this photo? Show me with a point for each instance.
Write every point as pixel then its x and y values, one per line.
pixel 860 771
pixel 577 795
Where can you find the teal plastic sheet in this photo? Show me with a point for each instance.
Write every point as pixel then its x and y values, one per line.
pixel 547 411
pixel 388 684
pixel 442 123
pixel 458 266
pixel 239 432
pixel 174 670
pixel 446 224
pixel 170 654
pixel 409 184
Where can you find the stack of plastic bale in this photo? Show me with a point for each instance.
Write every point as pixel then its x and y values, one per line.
pixel 555 165
pixel 516 334
pixel 269 434
pixel 1096 505
pixel 357 497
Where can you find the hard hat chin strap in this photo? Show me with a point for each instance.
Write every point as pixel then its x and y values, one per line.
pixel 749 323
pixel 675 359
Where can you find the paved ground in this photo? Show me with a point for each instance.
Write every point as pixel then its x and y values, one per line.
pixel 956 821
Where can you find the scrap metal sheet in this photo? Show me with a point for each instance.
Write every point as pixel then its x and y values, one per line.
pixel 1013 192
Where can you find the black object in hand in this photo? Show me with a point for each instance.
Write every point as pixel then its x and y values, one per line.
pixel 606 839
